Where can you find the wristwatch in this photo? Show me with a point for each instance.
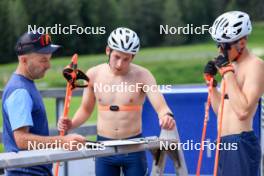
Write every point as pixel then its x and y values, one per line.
pixel 170 114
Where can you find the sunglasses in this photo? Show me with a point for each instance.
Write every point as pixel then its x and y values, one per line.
pixel 225 46
pixel 42 41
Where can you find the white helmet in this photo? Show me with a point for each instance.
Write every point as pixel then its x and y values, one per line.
pixel 231 26
pixel 124 40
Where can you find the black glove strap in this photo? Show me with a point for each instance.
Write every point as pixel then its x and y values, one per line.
pixel 72 75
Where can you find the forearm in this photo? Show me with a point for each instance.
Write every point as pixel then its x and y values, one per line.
pixel 27 140
pixel 80 117
pixel 159 104
pixel 215 99
pixel 163 110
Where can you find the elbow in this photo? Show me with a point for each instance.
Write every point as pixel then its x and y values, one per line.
pixel 20 140
pixel 19 143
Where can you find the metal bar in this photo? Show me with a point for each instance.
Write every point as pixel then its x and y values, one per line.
pixel 35 157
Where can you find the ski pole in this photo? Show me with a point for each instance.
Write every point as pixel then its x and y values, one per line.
pixel 220 118
pixel 68 95
pixel 206 116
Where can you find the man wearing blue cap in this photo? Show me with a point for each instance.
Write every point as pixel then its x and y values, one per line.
pixel 24 116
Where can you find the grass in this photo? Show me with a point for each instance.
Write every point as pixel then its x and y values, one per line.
pixel 75 102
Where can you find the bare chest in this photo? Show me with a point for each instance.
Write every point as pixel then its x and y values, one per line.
pixel 123 90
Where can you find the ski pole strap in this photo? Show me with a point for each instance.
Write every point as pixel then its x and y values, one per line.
pixel 75 77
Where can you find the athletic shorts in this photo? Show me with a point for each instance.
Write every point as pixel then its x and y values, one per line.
pixel 131 164
pixel 245 161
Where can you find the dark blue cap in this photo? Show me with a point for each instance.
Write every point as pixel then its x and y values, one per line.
pixel 35 42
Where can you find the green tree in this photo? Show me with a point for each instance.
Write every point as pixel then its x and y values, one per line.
pixel 13 20
pixel 61 12
pixel 145 18
pixel 172 16
pixel 254 8
pixel 106 15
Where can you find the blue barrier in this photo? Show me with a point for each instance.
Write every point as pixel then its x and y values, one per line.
pixel 188 106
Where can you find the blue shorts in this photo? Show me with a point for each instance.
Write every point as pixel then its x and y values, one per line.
pixel 132 164
pixel 245 161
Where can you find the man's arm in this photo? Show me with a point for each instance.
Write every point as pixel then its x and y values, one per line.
pixel 210 72
pixel 242 101
pixel 87 105
pixel 86 108
pixel 19 106
pixel 158 102
pixel 24 138
pixel 215 99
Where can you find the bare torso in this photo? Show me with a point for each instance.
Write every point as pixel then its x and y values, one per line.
pixel 231 123
pixel 118 124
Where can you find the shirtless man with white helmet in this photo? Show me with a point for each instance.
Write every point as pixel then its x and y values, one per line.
pixel 243 73
pixel 119 110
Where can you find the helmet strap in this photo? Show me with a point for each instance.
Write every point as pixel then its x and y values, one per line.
pixel 108 61
pixel 225 50
pixel 240 51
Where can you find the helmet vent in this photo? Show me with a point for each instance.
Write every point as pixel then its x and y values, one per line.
pixel 239 30
pixel 237 24
pixel 130 45
pixel 135 47
pixel 122 43
pixel 222 22
pixel 224 36
pixel 114 40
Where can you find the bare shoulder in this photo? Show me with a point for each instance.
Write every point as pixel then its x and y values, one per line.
pixel 139 70
pixel 92 72
pixel 260 69
pixel 257 65
pixel 95 69
pixel 143 74
pixel 256 71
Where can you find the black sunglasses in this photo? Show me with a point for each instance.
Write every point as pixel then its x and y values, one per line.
pixel 42 41
pixel 225 46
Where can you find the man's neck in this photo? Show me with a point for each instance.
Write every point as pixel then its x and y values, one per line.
pixel 244 55
pixel 22 71
pixel 123 73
